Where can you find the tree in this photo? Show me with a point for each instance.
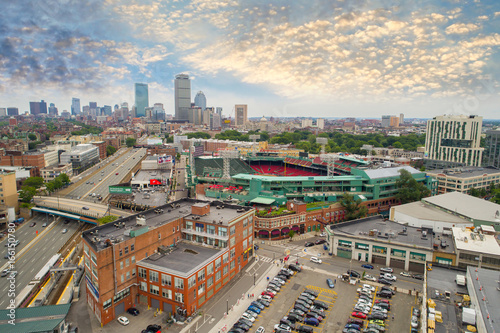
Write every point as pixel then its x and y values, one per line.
pixel 64 178
pixel 110 150
pixel 107 219
pixel 50 187
pixel 35 182
pixel 130 142
pixel 198 135
pixel 27 193
pixel 291 233
pixel 32 137
pixel 170 139
pixel 409 190
pixel 354 209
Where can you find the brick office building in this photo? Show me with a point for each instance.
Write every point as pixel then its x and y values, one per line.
pixel 101 145
pixel 173 258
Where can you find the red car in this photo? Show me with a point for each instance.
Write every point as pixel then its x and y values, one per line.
pixel 382 301
pixel 358 315
pixel 268 294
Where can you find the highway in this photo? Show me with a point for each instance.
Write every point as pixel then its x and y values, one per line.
pixel 76 206
pixel 29 263
pixel 107 174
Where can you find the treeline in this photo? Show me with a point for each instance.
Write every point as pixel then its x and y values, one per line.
pixel 33 184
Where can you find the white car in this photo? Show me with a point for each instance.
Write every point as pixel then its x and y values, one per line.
pixel 316 260
pixel 379 309
pixel 407 274
pixel 364 291
pixel 414 321
pixel 369 287
pixel 282 327
pixel 364 309
pixel 363 301
pixel 323 234
pixel 268 298
pixel 388 276
pixel 370 278
pixel 280 281
pixel 260 330
pixel 123 320
pixel 386 270
pixel 248 317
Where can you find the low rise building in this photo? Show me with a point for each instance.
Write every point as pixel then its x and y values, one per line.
pixel 81 157
pixel 483 287
pixel 173 258
pixel 8 190
pixel 463 179
pixel 51 172
pixel 477 247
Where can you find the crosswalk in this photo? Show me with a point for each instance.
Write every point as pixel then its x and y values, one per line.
pixel 269 260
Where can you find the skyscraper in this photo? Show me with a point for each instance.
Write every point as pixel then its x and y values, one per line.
pixel 182 96
pixel 492 151
pixel 75 106
pixel 454 139
pixel 53 110
pixel 43 107
pixel 200 100
pixel 12 111
pixel 141 99
pixel 34 108
pixel 241 116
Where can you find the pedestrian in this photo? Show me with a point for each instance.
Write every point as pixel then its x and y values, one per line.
pixel 248 295
pixel 392 317
pixel 335 281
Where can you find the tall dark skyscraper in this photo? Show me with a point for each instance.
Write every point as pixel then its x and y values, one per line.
pixel 75 106
pixel 141 99
pixel 200 100
pixel 12 111
pixel 34 108
pixel 182 96
pixel 43 107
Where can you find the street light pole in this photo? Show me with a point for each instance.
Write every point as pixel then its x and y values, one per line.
pixel 227 305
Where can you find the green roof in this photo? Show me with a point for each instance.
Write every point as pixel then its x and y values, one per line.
pixel 35 319
pixel 261 200
pixel 295 179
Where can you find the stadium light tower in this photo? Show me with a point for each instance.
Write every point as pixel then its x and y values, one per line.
pixel 254 138
pixel 330 160
pixel 227 156
pixel 323 142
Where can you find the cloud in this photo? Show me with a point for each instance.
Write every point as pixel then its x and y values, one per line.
pixel 461 28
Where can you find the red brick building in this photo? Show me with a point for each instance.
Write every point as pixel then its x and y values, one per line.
pixel 173 258
pixel 102 148
pixel 17 158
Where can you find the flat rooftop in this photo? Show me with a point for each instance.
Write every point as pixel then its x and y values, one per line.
pixel 121 229
pixel 386 231
pixel 146 175
pixel 470 241
pixel 184 259
pixel 489 281
pixel 466 205
pixel 465 172
pixel 424 211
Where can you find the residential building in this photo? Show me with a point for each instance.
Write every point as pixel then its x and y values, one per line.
pixel 463 179
pixel 8 190
pixel 241 114
pixel 35 159
pixel 307 123
pixel 172 259
pixel 81 157
pixel 454 139
pixel 378 241
pixel 182 87
pixel 75 106
pixel 51 172
pixel 141 99
pixel 483 287
pixel 492 150
pixel 200 100
pixel 477 247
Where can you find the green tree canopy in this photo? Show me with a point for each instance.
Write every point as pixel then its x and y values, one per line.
pixel 110 150
pixel 32 136
pixel 198 135
pixel 107 219
pixel 27 193
pixel 354 209
pixel 130 142
pixel 35 182
pixel 409 190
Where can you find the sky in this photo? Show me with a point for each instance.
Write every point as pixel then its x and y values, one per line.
pixel 300 58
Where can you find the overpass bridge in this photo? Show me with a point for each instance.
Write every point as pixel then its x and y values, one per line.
pixel 75 209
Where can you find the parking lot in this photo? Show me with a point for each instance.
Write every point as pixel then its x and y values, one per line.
pixel 341 300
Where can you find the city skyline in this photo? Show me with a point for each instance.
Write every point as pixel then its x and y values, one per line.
pixel 328 58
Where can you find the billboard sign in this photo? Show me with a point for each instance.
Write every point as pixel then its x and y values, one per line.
pixel 120 190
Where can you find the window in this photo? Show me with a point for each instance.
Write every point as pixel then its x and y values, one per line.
pixel 217 263
pixel 179 297
pixel 233 253
pixel 201 275
pixel 106 304
pixel 143 286
pixel 211 229
pixel 224 270
pixel 232 230
pixel 245 233
pixel 245 222
pixel 87 262
pixel 142 272
pixel 132 247
pixel 189 225
pixel 210 281
pixel 173 230
pixel 191 281
pixel 232 241
pixel 245 244
pixel 126 249
pixel 231 265
pixel 122 278
pixel 86 250
pixel 222 231
pixel 93 258
pixel 177 228
pixel 210 269
pixel 121 252
pixel 166 293
pixel 155 290
pixel 128 276
pixel 153 276
pixel 179 283
pixel 127 262
pixel 121 264
pixel 217 276
pixel 225 258
pixel 159 236
pixel 133 259
pixel 166 280
pixel 201 289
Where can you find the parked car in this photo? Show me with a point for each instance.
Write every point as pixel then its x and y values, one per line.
pixel 367 266
pixel 302 303
pixel 311 321
pixel 321 304
pixel 242 326
pixel 287 322
pixel 377 321
pixel 268 294
pixel 355 321
pixel 64 231
pixel 414 321
pixel 418 276
pixel 330 284
pixel 385 294
pixel 311 297
pixel 260 330
pixel 369 287
pixel 377 315
pixel 293 317
pixel 254 309
pixel 369 277
pixel 416 313
pixel 44 224
pixel 355 326
pixel 282 327
pixel 305 300
pixel 389 277
pixel 388 289
pixel 316 260
pixel 248 316
pixel 264 302
pixel 133 311
pixel 309 244
pixel 358 315
pixel 386 270
pixel 379 309
pixel 123 320
pixel 305 329
pixel 258 304
pixel 384 281
pixel 407 274
pixel 353 274
pixel 312 292
pixel 298 312
pixel 85 208
pixel 295 268
pixel 320 241
pixel 314 315
pixel 300 307
pixel 154 328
